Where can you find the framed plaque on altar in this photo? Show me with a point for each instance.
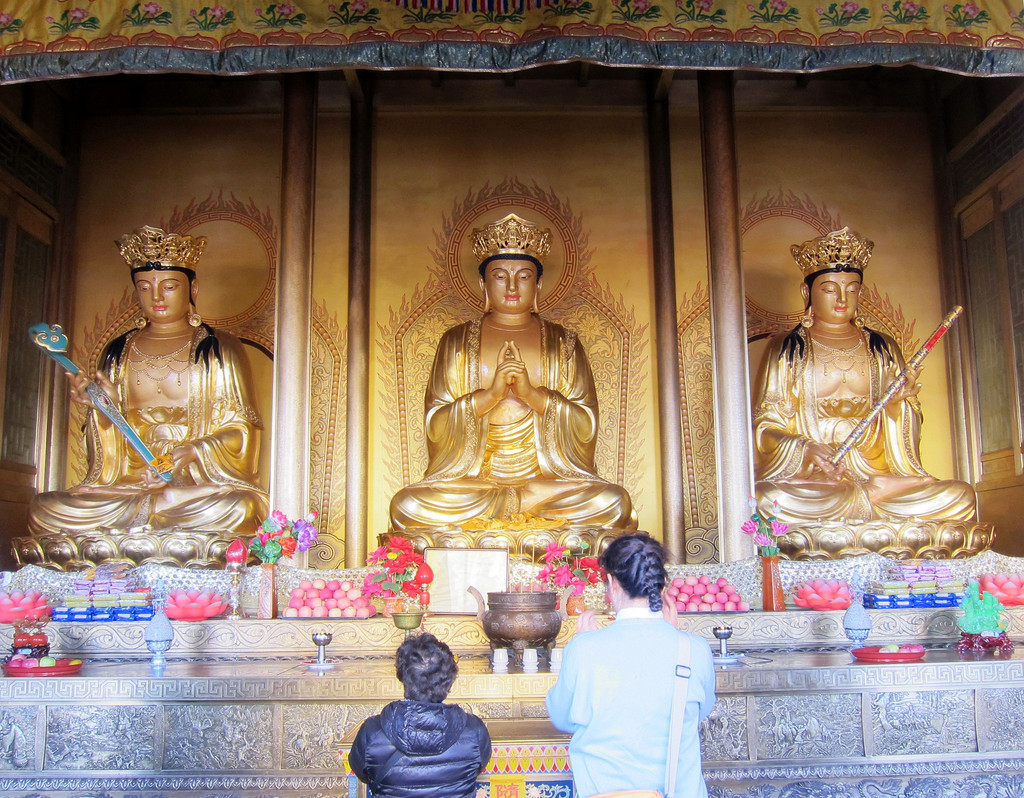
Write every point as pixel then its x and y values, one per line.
pixel 456 570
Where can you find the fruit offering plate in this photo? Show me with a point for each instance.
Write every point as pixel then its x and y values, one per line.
pixel 62 668
pixel 872 654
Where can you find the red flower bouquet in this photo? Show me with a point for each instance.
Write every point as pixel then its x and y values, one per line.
pixel 562 569
pixel 398 575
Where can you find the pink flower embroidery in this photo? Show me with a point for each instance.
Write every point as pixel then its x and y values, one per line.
pixel 359 6
pixel 642 5
pixel 971 10
pixel 5 19
pixel 286 10
pixel 217 13
pixel 779 5
pixel 850 7
pixel 78 14
pixel 910 8
pixel 152 9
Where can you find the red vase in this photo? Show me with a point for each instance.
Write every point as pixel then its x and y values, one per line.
pixel 772 597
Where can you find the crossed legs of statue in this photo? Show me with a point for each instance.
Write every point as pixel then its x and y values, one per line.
pixel 454 502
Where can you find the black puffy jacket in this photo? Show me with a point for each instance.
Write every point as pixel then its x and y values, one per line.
pixel 415 749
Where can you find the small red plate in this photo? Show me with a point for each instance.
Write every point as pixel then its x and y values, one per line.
pixel 50 670
pixel 872 654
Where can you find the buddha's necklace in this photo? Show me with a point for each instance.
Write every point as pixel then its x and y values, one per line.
pixel 158 368
pixel 840 359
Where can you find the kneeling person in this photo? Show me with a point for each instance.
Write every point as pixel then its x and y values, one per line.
pixel 421 746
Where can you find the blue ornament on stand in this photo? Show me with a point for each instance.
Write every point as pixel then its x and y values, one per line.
pixel 159 633
pixel 856 621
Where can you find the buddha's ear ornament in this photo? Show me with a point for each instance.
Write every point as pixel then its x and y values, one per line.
pixel 194 319
pixel 808 319
pixel 140 320
pixel 858 321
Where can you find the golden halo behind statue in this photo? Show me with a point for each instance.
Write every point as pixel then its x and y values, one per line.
pixel 560 265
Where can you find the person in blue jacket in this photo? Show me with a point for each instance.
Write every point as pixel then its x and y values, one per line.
pixel 614 691
pixel 421 746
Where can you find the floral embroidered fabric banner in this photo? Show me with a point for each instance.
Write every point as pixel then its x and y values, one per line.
pixel 53 38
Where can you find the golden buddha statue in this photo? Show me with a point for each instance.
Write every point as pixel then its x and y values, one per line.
pixel 511 408
pixel 817 383
pixel 186 391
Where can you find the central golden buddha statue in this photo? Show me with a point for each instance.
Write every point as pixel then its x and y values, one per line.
pixel 817 383
pixel 511 408
pixel 186 391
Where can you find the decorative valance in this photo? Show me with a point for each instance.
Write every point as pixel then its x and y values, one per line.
pixel 61 38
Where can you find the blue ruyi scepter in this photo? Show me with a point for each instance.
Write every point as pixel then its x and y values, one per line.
pixel 52 340
pixel 912 365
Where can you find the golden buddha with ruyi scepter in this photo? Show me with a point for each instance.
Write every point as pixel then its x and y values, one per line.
pixel 186 391
pixel 817 382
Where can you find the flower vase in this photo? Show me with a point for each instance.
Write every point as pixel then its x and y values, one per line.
pixel 772 597
pixel 393 604
pixel 574 605
pixel 266 597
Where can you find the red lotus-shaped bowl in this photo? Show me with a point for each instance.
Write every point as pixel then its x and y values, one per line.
pixel 1008 588
pixel 16 606
pixel 193 605
pixel 821 594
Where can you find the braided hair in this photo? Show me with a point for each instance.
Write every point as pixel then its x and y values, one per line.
pixel 638 564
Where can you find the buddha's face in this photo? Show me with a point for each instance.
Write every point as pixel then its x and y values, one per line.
pixel 510 285
pixel 164 295
pixel 834 297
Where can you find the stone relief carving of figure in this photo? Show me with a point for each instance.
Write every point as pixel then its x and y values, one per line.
pixel 186 390
pixel 511 407
pixel 816 384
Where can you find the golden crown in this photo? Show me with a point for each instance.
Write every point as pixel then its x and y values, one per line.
pixel 153 245
pixel 839 248
pixel 511 236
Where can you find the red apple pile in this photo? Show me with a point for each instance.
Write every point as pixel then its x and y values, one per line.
pixel 704 594
pixel 822 594
pixel 1008 588
pixel 320 598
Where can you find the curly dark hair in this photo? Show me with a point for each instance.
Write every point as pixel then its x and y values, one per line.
pixel 638 564
pixel 426 668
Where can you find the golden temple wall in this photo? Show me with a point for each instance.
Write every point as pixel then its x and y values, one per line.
pixel 433 168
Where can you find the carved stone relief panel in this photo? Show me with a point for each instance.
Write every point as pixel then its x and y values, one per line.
pixel 923 722
pixel 219 737
pixel 723 735
pixel 18 738
pixel 313 733
pixel 809 726
pixel 1001 719
pixel 101 738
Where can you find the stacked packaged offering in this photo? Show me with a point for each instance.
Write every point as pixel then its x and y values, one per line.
pixel 106 593
pixel 924 583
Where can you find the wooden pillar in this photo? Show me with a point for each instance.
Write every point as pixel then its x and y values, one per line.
pixel 670 429
pixel 358 399
pixel 289 490
pixel 728 313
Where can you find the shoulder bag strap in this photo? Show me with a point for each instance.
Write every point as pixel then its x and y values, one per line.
pixel 675 732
